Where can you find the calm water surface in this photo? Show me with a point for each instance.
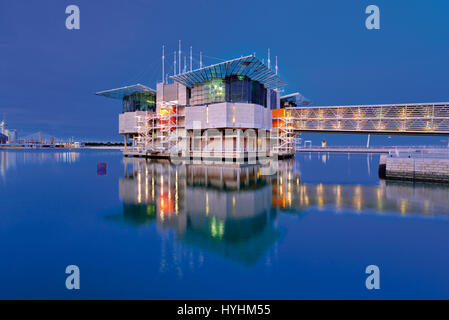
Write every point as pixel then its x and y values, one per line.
pixel 152 230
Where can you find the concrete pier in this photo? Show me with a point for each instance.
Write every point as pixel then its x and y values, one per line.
pixel 423 168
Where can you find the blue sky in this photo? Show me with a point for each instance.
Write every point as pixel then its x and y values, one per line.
pixel 48 74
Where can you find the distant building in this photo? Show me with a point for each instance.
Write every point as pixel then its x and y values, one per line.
pixel 3 139
pixel 10 134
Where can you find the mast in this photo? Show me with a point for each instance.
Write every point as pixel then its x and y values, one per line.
pixel 174 63
pixel 276 64
pixel 163 64
pixel 179 57
pixel 269 65
pixel 190 58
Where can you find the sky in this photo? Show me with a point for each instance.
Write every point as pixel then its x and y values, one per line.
pixel 49 74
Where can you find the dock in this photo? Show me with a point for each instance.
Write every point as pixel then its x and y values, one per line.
pixel 375 149
pixel 421 165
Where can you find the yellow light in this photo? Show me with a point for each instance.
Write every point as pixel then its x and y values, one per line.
pixel 207 204
pixel 221 229
pixel 403 206
pixel 213 227
pixel 139 189
pixel 320 201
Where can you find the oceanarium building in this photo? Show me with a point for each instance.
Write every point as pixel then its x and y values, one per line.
pixel 228 110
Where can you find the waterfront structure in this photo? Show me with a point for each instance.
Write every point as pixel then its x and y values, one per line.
pixel 423 165
pixel 233 110
pixel 3 138
pixel 410 118
pixel 5 134
pixel 221 111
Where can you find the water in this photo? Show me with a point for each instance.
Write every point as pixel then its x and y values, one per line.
pixel 150 230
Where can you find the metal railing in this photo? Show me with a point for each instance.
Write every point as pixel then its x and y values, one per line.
pixel 422 118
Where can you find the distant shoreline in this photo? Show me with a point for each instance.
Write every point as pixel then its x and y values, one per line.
pixel 20 147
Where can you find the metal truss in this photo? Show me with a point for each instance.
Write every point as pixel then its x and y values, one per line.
pixel 424 118
pixel 154 129
pixel 287 138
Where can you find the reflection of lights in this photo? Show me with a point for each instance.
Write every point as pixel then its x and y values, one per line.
pixel 207 203
pixel 426 206
pixel 380 202
pixel 146 185
pixel 176 193
pixel 338 197
pixel 379 193
pixel 216 228
pixel 139 190
pixel 319 189
pixel 323 158
pixel 152 188
pixel 162 185
pixel 403 206
pixel 150 210
pixel 320 202
pixel 357 198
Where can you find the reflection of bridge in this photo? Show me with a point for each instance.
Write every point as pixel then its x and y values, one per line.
pixel 420 118
pixel 231 210
pixel 392 197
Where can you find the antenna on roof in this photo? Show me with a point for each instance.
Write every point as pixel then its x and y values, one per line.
pixel 201 59
pixel 174 63
pixel 190 58
pixel 163 64
pixel 276 64
pixel 179 56
pixel 185 64
pixel 269 58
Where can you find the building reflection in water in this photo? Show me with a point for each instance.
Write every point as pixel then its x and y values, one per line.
pixel 227 210
pixel 232 211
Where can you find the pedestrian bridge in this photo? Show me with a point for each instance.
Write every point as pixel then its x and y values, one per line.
pixel 415 118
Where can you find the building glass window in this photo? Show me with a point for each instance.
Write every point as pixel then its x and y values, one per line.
pixel 273 99
pixel 231 89
pixel 139 102
pixel 208 92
